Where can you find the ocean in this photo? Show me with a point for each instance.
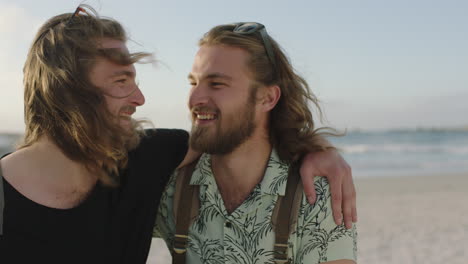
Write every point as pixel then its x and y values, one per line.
pixel 7 142
pixel 387 153
pixel 405 153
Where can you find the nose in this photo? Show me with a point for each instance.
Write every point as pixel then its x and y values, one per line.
pixel 198 96
pixel 137 98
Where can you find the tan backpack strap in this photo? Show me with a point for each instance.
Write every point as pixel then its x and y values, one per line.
pixel 285 215
pixel 186 205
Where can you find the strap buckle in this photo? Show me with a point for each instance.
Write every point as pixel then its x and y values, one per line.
pixel 180 244
pixel 281 253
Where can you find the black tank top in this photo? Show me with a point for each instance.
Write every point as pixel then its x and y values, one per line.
pixel 112 225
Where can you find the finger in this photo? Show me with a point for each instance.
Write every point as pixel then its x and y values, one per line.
pixel 355 218
pixel 336 195
pixel 309 187
pixel 354 206
pixel 353 196
pixel 348 205
pixel 347 211
pixel 349 200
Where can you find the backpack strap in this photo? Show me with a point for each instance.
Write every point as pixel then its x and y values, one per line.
pixel 285 214
pixel 187 203
pixel 186 206
pixel 2 201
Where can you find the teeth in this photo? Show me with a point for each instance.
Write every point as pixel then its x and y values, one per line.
pixel 205 116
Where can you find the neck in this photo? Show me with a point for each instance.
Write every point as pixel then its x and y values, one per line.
pixel 238 172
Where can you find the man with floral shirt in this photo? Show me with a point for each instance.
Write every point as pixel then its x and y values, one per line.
pixel 252 121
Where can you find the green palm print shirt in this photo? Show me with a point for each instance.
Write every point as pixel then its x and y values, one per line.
pixel 246 235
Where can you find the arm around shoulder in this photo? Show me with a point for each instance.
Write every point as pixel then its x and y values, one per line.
pixel 319 238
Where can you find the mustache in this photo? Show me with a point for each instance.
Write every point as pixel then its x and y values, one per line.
pixel 128 109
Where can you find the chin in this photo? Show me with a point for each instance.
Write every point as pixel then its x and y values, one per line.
pixel 127 128
pixel 126 124
pixel 132 133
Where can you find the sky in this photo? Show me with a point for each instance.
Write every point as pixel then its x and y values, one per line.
pixel 374 64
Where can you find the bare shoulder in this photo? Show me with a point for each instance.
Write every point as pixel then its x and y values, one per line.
pixel 34 176
pixel 12 165
pixel 18 170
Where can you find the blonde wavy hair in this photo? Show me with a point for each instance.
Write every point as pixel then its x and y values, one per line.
pixel 292 128
pixel 60 102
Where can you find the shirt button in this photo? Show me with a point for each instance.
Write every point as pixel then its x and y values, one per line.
pixel 228 224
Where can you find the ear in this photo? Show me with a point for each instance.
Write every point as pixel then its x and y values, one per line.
pixel 270 97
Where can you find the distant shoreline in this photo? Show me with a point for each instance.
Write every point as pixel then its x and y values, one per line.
pixel 409 130
pixel 462 128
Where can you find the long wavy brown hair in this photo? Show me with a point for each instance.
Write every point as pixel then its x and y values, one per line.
pixel 292 128
pixel 61 103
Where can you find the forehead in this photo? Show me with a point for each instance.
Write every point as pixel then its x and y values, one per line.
pixel 221 60
pixel 108 43
pixel 105 68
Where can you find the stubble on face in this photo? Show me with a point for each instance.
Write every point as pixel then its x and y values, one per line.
pixel 237 128
pixel 114 74
pixel 133 136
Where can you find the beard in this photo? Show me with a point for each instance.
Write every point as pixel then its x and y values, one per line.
pixel 131 130
pixel 133 135
pixel 237 129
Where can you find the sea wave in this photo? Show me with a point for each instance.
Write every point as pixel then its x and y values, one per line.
pixel 4 141
pixel 8 140
pixel 374 168
pixel 403 148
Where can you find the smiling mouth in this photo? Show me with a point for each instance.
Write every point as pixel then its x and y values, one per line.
pixel 126 115
pixel 127 112
pixel 204 117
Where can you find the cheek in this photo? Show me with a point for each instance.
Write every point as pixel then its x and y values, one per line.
pixel 113 105
pixel 190 99
pixel 197 96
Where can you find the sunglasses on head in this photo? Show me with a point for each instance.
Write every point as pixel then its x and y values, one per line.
pixel 247 28
pixel 80 10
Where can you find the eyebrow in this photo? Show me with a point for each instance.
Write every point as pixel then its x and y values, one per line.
pixel 213 76
pixel 120 73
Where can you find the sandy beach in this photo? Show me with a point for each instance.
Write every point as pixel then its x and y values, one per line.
pixel 417 219
pixel 413 219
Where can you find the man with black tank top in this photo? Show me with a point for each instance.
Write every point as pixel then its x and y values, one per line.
pixel 84 186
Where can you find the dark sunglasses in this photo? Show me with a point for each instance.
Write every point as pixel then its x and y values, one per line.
pixel 81 9
pixel 247 28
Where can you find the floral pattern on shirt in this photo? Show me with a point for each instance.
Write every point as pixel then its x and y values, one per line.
pixel 246 235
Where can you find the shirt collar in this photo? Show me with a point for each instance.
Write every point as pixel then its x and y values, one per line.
pixel 273 182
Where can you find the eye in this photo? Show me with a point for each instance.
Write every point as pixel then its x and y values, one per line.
pixel 217 84
pixel 121 81
pixel 193 83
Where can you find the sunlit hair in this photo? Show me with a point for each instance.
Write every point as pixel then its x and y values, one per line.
pixel 61 103
pixel 292 129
